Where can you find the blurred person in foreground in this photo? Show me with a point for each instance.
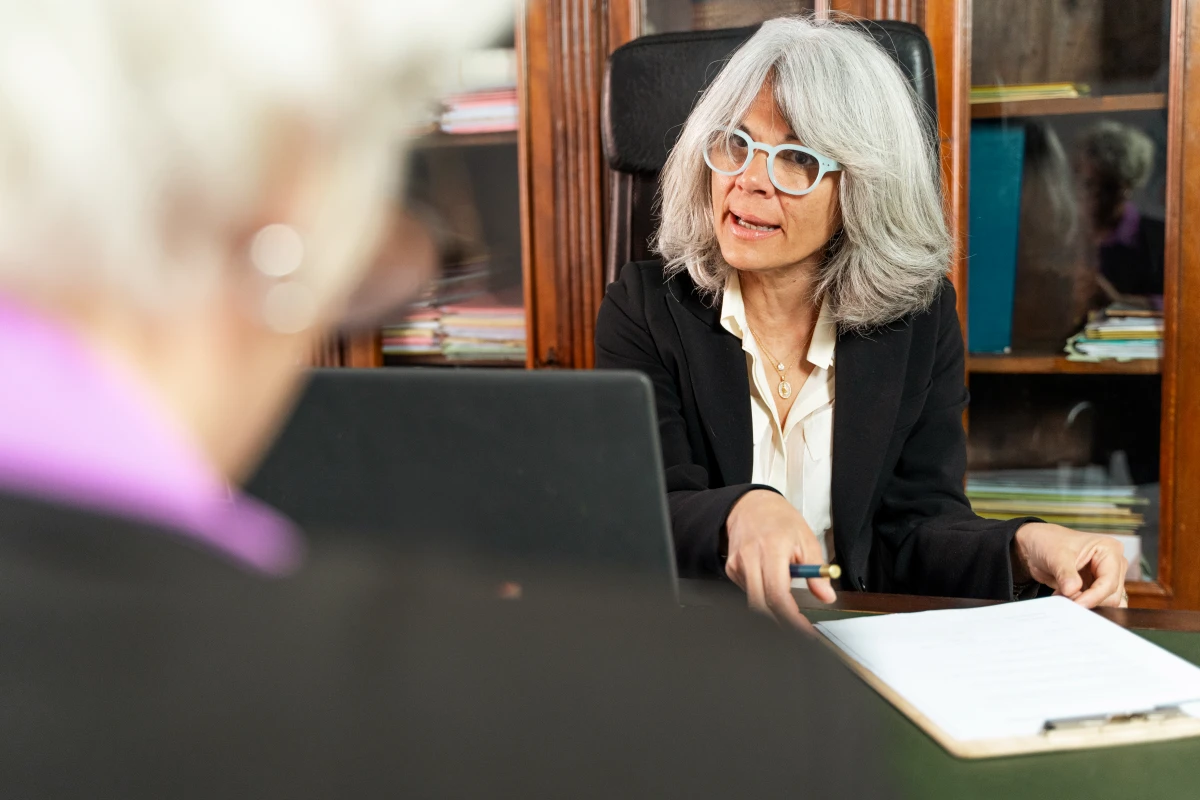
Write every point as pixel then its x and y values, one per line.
pixel 188 194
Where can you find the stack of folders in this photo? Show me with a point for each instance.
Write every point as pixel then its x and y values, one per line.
pixel 1118 333
pixel 488 111
pixel 419 334
pixel 1028 91
pixel 1083 498
pixel 1078 497
pixel 481 332
pixel 459 333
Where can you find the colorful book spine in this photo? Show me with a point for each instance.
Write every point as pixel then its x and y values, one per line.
pixel 997 159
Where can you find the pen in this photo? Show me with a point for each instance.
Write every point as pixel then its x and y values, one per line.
pixel 816 571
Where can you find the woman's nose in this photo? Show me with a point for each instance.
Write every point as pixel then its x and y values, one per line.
pixel 755 177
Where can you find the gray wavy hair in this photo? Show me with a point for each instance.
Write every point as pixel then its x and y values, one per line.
pixel 842 95
pixel 136 135
pixel 1120 152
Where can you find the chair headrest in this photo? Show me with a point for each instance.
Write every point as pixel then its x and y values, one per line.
pixel 652 84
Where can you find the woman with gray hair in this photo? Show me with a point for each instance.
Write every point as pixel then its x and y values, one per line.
pixel 803 258
pixel 1116 160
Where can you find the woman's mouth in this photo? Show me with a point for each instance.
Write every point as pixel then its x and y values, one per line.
pixel 750 228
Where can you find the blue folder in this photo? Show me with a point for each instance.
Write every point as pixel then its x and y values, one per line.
pixel 997 158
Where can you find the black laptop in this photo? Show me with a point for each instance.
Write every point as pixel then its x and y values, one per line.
pixel 548 467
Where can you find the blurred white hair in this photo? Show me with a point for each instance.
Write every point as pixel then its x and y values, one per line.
pixel 843 96
pixel 138 136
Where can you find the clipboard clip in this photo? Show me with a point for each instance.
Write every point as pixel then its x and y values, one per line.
pixel 1154 716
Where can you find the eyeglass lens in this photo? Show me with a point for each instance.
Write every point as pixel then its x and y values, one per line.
pixel 795 170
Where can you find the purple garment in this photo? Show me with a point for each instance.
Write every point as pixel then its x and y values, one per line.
pixel 76 431
pixel 1126 231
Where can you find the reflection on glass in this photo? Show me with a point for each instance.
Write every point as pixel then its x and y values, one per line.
pixel 1115 161
pixel 1065 268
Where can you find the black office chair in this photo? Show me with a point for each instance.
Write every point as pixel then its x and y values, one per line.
pixel 651 86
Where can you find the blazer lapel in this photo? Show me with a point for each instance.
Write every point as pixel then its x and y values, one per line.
pixel 869 378
pixel 717 366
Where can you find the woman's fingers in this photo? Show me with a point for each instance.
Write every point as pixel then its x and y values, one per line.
pixel 777 586
pixel 809 552
pixel 1108 569
pixel 1067 580
pixel 822 589
pixel 753 585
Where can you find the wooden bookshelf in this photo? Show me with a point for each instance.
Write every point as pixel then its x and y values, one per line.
pixel 442 361
pixel 440 139
pixel 1019 364
pixel 1075 105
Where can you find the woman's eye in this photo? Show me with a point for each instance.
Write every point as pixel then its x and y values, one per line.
pixel 797 158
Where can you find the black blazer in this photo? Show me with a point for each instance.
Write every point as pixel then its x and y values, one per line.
pixel 901 521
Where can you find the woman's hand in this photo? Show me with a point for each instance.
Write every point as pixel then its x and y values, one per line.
pixel 766 536
pixel 1086 567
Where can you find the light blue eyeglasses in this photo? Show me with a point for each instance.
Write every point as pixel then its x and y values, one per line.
pixel 793 169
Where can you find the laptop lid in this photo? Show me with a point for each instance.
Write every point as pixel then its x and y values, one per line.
pixel 560 467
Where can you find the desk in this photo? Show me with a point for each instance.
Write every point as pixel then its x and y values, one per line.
pixel 927 772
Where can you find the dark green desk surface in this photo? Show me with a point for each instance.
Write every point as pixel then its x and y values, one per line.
pixel 1160 770
pixel 927 772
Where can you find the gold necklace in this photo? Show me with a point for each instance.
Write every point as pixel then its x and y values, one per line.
pixel 784 388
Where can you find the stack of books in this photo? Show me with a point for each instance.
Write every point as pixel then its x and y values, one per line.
pixel 488 111
pixel 1083 498
pixel 1118 333
pixel 1028 91
pixel 1077 497
pixel 459 333
pixel 482 332
pixel 418 335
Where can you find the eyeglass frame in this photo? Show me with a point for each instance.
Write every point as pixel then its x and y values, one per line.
pixel 825 163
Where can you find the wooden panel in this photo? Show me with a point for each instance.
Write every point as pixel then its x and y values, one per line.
pixel 363 350
pixel 565 43
pixel 533 93
pixel 1016 41
pixel 1078 105
pixel 624 21
pixel 1179 561
pixel 327 352
pixel 1076 41
pixel 948 26
pixel 902 10
pixel 1043 365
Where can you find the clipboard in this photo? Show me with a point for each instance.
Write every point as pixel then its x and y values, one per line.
pixel 1084 733
pixel 1104 729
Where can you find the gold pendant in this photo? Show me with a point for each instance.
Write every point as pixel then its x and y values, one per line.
pixel 785 390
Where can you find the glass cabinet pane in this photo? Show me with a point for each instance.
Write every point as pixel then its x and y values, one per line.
pixel 1065 281
pixel 463 184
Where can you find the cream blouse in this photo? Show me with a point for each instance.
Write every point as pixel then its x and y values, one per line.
pixel 795 456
